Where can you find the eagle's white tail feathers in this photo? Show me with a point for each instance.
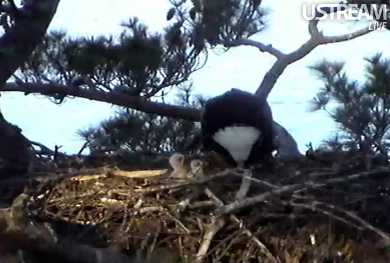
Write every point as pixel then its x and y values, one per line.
pixel 238 141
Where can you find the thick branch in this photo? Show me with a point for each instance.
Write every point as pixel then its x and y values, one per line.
pixel 283 140
pixel 316 39
pixel 19 41
pixel 284 60
pixel 113 97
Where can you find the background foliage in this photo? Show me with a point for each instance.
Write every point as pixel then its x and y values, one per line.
pixel 361 110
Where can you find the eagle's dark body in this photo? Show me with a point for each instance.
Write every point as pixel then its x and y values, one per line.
pixel 238 125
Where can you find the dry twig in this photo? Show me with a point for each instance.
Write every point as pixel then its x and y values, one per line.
pixel 237 205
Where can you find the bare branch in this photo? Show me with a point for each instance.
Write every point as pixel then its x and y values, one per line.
pixel 283 140
pixel 113 97
pixel 219 203
pixel 346 37
pixel 385 236
pixel 262 47
pixel 317 38
pixel 44 149
pixel 288 189
pixel 217 223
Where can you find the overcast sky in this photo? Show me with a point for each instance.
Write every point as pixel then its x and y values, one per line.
pixel 242 67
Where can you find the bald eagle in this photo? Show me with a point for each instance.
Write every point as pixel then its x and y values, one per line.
pixel 238 125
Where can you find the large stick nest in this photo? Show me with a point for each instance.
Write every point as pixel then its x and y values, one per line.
pixel 301 211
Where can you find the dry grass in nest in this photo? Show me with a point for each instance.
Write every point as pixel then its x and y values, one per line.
pixel 293 213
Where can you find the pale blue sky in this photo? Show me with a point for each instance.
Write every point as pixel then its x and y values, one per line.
pixel 241 67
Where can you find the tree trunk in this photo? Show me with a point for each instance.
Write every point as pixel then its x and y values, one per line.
pixel 16 44
pixel 14 149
